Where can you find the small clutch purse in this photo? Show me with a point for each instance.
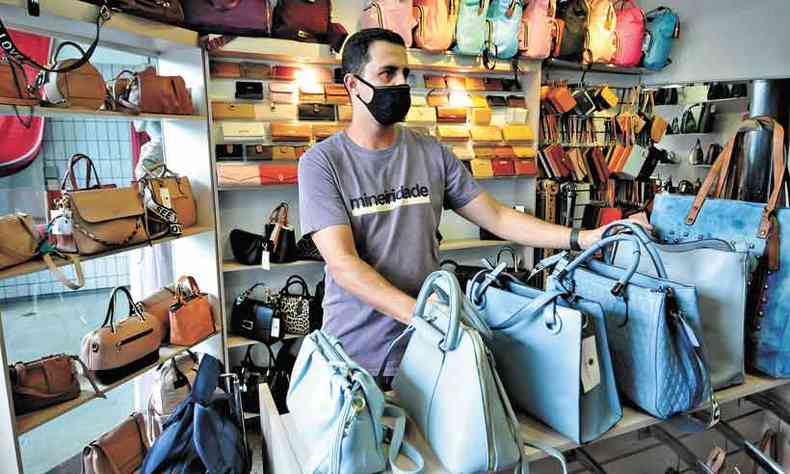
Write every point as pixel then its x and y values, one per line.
pixel 228 152
pixel 486 134
pixel 258 152
pixel 249 90
pixel 451 114
pixel 282 132
pixel 317 112
pixel 451 133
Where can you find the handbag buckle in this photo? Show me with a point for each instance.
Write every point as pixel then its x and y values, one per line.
pixel 247 324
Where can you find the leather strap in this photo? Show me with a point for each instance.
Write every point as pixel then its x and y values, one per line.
pixel 134 310
pixel 75 261
pixel 400 445
pixel 194 289
pixel 90 171
pixel 87 374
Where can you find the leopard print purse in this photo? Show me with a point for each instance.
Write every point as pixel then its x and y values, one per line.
pixel 297 310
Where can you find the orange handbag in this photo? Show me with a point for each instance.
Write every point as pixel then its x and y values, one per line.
pixel 191 318
pixel 561 99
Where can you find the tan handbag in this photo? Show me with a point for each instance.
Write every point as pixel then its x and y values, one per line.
pixel 232 111
pixel 167 192
pixel 102 217
pixel 120 451
pixel 148 92
pixel 13 85
pixel 191 318
pixel 158 306
pixel 18 239
pixel 81 88
pixel 486 134
pixel 117 349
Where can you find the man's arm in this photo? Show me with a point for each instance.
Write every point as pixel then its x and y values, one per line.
pixel 336 244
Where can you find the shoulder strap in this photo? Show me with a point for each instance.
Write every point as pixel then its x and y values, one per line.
pixel 400 445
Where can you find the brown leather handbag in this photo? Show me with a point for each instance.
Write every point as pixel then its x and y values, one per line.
pixel 19 239
pixel 168 191
pixel 191 318
pixel 81 88
pixel 120 451
pixel 102 217
pixel 148 92
pixel 13 84
pixel 158 306
pixel 117 349
pixel 45 382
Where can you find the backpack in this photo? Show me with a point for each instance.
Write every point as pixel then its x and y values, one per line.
pixel 538 29
pixel 393 15
pixel 630 33
pixel 600 40
pixel 574 14
pixel 505 18
pixel 436 21
pixel 473 30
pixel 663 26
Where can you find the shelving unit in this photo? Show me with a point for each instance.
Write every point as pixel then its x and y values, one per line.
pixel 58 112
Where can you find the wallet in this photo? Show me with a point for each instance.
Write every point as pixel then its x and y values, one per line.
pixel 516 115
pixel 418 101
pixel 479 101
pixel 438 99
pixel 481 168
pixel 451 115
pixel 456 82
pixel 271 112
pixel 503 167
pixel 435 82
pixel 526 167
pixel 421 115
pixel 224 70
pixel 249 90
pixel 238 174
pixel 463 153
pixel 451 133
pixel 493 84
pixel 284 153
pixel 258 152
pixel 481 116
pixel 317 112
pixel 228 152
pixel 486 134
pixel 285 73
pixel 474 84
pixel 561 99
pixel 243 131
pixel 524 151
pixel 517 133
pixel 231 111
pixel 505 152
pixel 496 101
pixel 344 113
pixel 282 132
pixel 312 98
pixel 255 71
pixel 516 101
pixel 336 94
pixel 484 152
pixel 321 132
pixel 280 173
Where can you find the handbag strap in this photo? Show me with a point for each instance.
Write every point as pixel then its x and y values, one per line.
pixel 398 444
pixel 75 261
pixel 588 254
pixel 647 243
pixel 295 280
pixel 70 175
pixel 512 253
pixel 193 288
pixel 134 310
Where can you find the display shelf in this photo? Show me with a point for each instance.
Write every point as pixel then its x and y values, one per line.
pixel 58 112
pixel 690 135
pixel 37 418
pixel 241 341
pixel 38 265
pixel 562 64
pixel 230 266
pixel 633 420
pixel 463 244
pixel 702 166
pixel 260 187
pixel 502 178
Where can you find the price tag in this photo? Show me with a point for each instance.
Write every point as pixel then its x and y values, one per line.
pixel 520 208
pixel 276 327
pixel 164 194
pixel 590 371
pixel 61 225
pixel 265 264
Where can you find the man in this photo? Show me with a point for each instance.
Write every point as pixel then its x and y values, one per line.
pixel 372 197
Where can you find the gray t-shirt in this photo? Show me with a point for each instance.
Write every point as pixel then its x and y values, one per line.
pixel 393 201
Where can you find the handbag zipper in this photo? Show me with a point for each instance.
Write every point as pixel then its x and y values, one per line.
pixel 131 339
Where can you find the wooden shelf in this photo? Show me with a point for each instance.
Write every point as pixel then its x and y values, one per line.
pixel 241 341
pixel 38 265
pixel 463 244
pixel 58 112
pixel 230 266
pixel 37 418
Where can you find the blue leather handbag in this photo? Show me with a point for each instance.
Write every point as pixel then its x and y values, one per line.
pixel 653 329
pixel 472 30
pixel 338 408
pixel 661 29
pixel 505 18
pixel 449 384
pixel 553 355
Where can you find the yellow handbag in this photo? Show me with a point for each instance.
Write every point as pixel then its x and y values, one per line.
pixel 518 133
pixel 482 168
pixel 421 115
pixel 486 134
pixel 481 116
pixel 451 133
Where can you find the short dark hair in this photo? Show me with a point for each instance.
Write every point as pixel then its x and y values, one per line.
pixel 355 51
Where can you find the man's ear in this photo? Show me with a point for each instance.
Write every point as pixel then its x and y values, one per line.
pixel 351 84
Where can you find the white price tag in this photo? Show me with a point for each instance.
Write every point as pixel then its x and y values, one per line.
pixel 61 225
pixel 520 208
pixel 164 194
pixel 276 327
pixel 591 372
pixel 265 264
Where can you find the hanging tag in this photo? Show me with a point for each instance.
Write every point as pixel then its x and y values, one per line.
pixel 265 264
pixel 61 224
pixel 520 208
pixel 275 328
pixel 164 194
pixel 590 372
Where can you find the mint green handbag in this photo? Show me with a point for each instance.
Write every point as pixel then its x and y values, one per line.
pixel 473 29
pixel 505 19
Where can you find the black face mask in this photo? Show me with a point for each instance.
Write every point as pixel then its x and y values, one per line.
pixel 389 104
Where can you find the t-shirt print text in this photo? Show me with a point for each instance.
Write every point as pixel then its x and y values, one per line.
pixel 389 200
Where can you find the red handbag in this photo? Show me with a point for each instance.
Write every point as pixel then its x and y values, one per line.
pixel 526 167
pixel 302 20
pixel 230 17
pixel 279 173
pixel 503 167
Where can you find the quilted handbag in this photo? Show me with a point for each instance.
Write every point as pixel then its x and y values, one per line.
pixel 538 29
pixel 297 311
pixel 253 317
pixel 436 21
pixel 393 15
pixel 630 34
pixel 505 19
pixel 663 26
pixel 720 275
pixel 574 14
pixel 448 369
pixel 338 410
pixel 472 31
pixel 653 328
pixel 552 355
pixel 600 40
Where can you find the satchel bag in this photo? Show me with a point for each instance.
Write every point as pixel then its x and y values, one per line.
pixel 345 422
pixel 720 276
pixel 696 155
pixel 247 247
pixel 158 306
pixel 505 19
pixel 472 30
pixel 538 29
pixel 191 318
pixel 393 15
pixel 45 382
pixel 630 34
pixel 102 217
pixel 436 20
pixel 663 26
pixel 230 17
pixel 600 39
pixel 574 14
pixel 81 88
pixel 148 92
pixel 295 310
pixel 552 355
pixel 117 349
pixel 280 236
pixel 19 239
pixel 171 386
pixel 120 451
pixel 254 319
pixel 168 191
pixel 302 20
pixel 688 124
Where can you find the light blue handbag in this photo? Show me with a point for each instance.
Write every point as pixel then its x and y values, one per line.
pixel 472 30
pixel 661 29
pixel 448 383
pixel 653 328
pixel 720 276
pixel 338 408
pixel 505 18
pixel 537 340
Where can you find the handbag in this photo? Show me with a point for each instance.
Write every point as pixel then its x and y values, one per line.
pixel 225 70
pixel 254 319
pixel 707 118
pixel 585 105
pixel 653 329
pixel 302 20
pixel 158 306
pixel 171 12
pixel 296 311
pixel 191 318
pixel 250 377
pixel 101 217
pixel 472 30
pixel 713 152
pixel 318 112
pixel 663 26
pixel 504 16
pixel 148 92
pixel 45 382
pixel 80 88
pixel 718 90
pixel 19 239
pixel 171 386
pixel 247 247
pixel 280 236
pixel 574 15
pixel 246 90
pixel 720 276
pixel 696 155
pixel 630 34
pixel 117 349
pixel 436 20
pixel 658 128
pixel 552 355
pixel 538 29
pixel 561 98
pixel 168 191
pixel 120 451
pixel 600 39
pixel 688 124
pixel 229 17
pixel 13 84
pixel 739 90
pixel 344 424
pixel 393 15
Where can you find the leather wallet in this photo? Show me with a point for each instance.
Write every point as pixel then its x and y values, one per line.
pixel 280 173
pixel 322 75
pixel 474 84
pixel 516 101
pixel 258 152
pixel 482 168
pixel 435 82
pixel 231 111
pixel 493 84
pixel 285 73
pixel 299 151
pixel 317 112
pixel 606 98
pixel 456 82
pixel 505 152
pixel 249 90
pixel 510 85
pixel 496 101
pixel 284 153
pixel 282 87
pixel 283 97
pixel 561 99
pixel 438 99
pixel 228 152
pixel 479 101
pixel 336 94
pixel 224 70
pixel 481 116
pixel 451 115
pixel 486 134
pixel 344 113
pixel 311 98
pixel 526 167
pixel 272 112
pixel 418 100
pixel 243 131
pixel 338 99
pixel 516 115
pixel 524 151
pixel 484 152
pixel 463 153
pixel 421 115
pixel 282 132
pixel 238 174
pixel 322 132
pixel 312 88
pixel 453 133
pixel 517 133
pixel 255 70
pixel 503 167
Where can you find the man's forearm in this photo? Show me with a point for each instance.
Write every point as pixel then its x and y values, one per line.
pixel 528 230
pixel 364 282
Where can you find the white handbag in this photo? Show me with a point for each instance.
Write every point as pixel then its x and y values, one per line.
pixel 172 385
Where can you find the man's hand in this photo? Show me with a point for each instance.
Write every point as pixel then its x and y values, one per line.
pixel 588 238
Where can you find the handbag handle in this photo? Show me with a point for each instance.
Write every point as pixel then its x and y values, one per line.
pixel 647 243
pixel 512 253
pixel 246 294
pixel 193 288
pixel 70 176
pixel 295 280
pixel 721 170
pixel 588 254
pixel 109 320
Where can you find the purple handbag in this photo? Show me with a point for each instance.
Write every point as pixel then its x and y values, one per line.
pixel 229 17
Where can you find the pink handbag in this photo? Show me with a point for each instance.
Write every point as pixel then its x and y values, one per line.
pixel 435 24
pixel 395 15
pixel 538 29
pixel 630 33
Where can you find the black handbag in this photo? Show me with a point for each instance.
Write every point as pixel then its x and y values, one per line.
pixel 696 156
pixel 575 14
pixel 280 375
pixel 317 112
pixel 276 374
pixel 247 247
pixel 713 152
pixel 249 90
pixel 718 90
pixel 739 90
pixel 281 237
pixel 706 118
pixel 250 376
pixel 306 249
pixel 229 152
pixel 687 122
pixel 254 318
pixel 674 127
pixel 296 311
